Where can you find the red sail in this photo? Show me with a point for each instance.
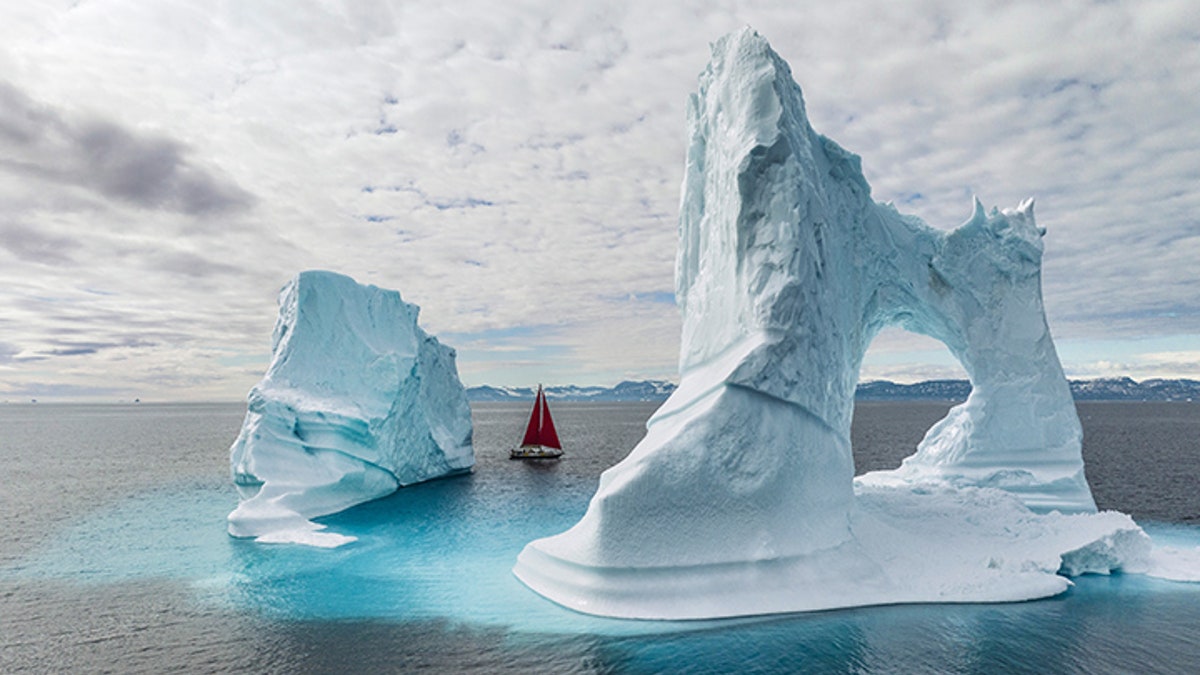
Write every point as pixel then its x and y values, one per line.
pixel 532 432
pixel 549 437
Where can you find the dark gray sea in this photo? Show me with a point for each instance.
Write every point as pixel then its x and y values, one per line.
pixel 114 558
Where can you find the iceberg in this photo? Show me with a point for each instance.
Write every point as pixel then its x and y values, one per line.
pixel 741 499
pixel 357 402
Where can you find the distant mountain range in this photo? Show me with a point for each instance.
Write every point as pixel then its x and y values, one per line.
pixel 1101 389
pixel 648 390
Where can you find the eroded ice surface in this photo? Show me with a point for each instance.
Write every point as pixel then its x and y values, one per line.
pixel 741 498
pixel 357 402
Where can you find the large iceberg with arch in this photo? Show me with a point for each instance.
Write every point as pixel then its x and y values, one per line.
pixel 741 499
pixel 357 402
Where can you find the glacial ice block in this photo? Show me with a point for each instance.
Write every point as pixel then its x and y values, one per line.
pixel 358 401
pixel 741 498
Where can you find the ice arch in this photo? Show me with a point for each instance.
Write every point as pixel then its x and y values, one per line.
pixel 977 289
pixel 785 272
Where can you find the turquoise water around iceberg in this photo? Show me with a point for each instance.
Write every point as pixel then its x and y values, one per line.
pixel 147 579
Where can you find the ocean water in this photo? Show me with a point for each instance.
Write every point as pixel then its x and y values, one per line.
pixel 114 558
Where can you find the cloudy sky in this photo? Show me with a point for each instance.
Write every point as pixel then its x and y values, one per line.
pixel 514 169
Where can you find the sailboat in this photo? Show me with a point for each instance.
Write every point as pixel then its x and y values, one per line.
pixel 541 440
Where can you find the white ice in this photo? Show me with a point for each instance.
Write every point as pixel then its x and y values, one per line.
pixel 358 401
pixel 741 499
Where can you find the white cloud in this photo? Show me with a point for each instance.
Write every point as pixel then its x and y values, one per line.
pixel 523 163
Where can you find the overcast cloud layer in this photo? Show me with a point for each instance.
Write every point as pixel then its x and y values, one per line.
pixel 514 169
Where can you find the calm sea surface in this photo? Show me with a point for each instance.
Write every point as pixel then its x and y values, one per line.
pixel 114 558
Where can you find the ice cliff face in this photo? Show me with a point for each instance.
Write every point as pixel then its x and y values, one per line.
pixel 741 498
pixel 357 402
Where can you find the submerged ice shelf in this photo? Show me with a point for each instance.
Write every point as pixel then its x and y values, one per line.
pixel 741 499
pixel 357 402
pixel 413 553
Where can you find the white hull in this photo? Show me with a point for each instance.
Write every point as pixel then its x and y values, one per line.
pixel 534 452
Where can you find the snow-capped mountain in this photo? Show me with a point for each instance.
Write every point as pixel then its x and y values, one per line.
pixel 1100 389
pixel 1126 389
pixel 646 390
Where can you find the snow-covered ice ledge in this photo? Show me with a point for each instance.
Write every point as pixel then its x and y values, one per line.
pixel 741 498
pixel 358 401
pixel 905 546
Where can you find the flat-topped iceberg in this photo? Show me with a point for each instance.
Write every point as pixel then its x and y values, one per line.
pixel 741 499
pixel 357 402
